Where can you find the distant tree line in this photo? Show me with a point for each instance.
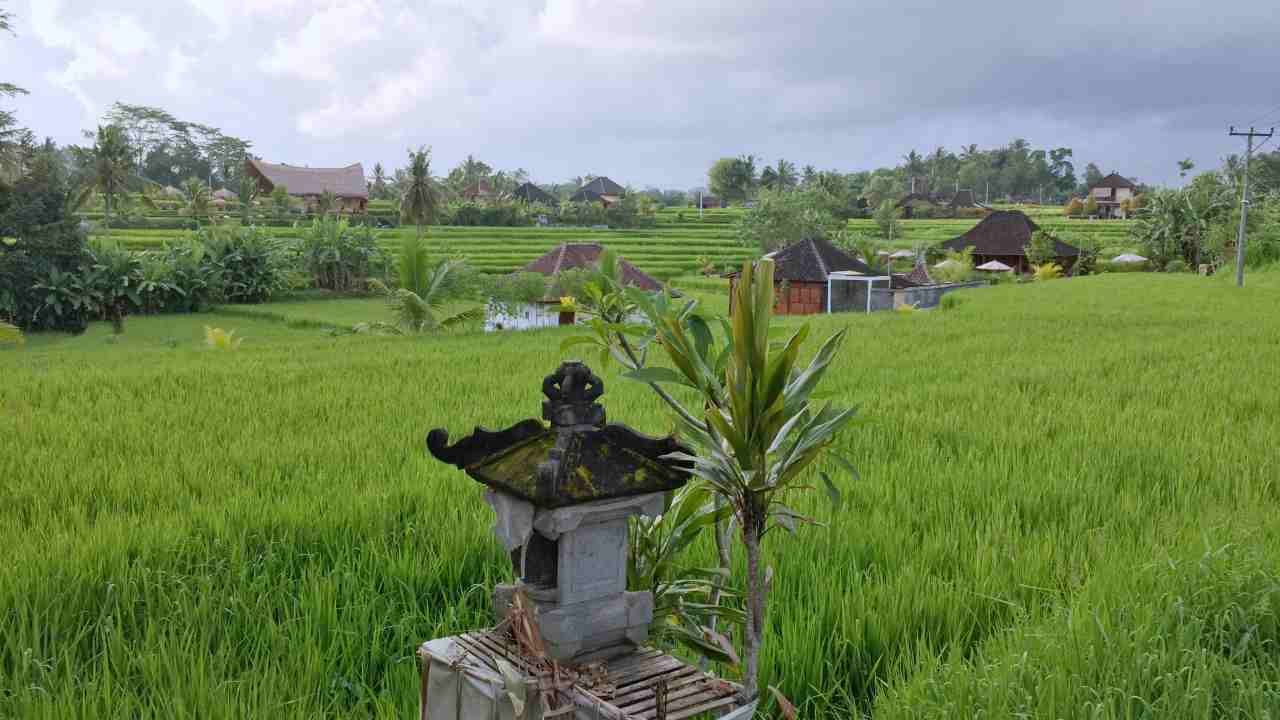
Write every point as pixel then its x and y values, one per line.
pixel 1013 171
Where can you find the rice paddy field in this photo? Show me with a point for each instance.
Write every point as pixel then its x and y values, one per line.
pixel 671 248
pixel 1066 509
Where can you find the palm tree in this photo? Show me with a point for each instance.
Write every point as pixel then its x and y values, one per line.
pixel 197 197
pixel 378 189
pixel 112 165
pixel 769 179
pixel 473 170
pixel 747 178
pixel 914 163
pixel 246 193
pixel 421 198
pixel 786 172
pixel 419 302
pixel 326 203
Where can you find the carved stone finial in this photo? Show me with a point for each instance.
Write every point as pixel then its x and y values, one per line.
pixel 572 391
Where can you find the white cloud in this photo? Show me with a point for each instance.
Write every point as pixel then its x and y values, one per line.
pixel 101 44
pixel 175 72
pixel 391 102
pixel 325 42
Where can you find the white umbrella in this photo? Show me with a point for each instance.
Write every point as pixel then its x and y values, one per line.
pixel 994 266
pixel 946 264
pixel 902 254
pixel 1129 258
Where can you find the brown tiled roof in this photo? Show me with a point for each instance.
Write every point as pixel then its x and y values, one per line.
pixel 919 275
pixel 1005 232
pixel 479 188
pixel 813 260
pixel 345 182
pixel 1114 180
pixel 582 255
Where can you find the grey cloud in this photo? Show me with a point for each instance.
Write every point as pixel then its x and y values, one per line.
pixel 651 92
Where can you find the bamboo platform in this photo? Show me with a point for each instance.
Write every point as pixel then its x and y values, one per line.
pixel 644 685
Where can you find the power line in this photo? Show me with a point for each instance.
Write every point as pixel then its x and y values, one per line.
pixel 1268 112
pixel 1244 194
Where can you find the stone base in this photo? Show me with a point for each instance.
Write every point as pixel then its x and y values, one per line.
pixel 585 631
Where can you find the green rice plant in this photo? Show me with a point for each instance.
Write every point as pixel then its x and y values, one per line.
pixel 1046 523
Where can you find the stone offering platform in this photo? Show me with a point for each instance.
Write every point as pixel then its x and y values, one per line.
pixel 463 678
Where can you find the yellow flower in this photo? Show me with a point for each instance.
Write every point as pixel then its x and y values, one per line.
pixel 567 302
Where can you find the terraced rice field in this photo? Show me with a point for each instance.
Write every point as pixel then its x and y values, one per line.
pixel 671 248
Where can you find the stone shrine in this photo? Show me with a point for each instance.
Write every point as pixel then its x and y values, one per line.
pixel 562 492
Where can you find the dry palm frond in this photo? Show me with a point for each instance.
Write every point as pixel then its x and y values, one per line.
pixel 220 339
pixel 10 334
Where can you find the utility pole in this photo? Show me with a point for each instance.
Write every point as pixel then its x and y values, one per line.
pixel 1244 196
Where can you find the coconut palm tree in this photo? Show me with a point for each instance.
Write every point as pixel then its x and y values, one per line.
pixel 418 304
pixel 197 198
pixel 378 188
pixel 421 198
pixel 247 194
pixel 326 203
pixel 110 171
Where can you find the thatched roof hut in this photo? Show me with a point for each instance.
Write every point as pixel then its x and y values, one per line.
pixel 346 183
pixel 1004 236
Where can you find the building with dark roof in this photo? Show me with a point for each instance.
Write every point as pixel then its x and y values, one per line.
pixel 545 312
pixel 533 194
pixel 1004 236
pixel 308 184
pixel 601 190
pixel 814 276
pixel 1110 192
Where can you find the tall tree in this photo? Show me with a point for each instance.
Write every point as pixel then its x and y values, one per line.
pixel 421 198
pixel 733 178
pixel 1092 175
pixel 111 161
pixel 780 177
pixel 13 139
pixel 378 188
pixel 6 24
pixel 198 199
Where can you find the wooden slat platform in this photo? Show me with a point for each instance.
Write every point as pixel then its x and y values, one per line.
pixel 625 688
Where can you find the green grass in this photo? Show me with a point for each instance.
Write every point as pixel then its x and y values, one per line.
pixel 1066 510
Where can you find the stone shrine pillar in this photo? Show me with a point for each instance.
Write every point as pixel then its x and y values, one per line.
pixel 562 494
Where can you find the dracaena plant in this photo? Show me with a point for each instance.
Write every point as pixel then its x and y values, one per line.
pixel 685 599
pixel 600 296
pixel 757 429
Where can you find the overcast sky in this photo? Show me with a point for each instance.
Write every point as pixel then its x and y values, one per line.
pixel 652 92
